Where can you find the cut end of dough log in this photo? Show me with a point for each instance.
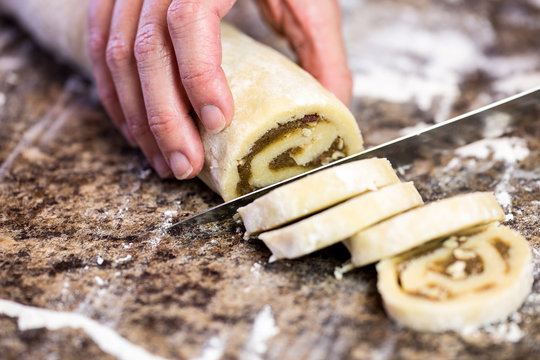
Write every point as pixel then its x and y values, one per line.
pixel 285 122
pixel 417 226
pixel 460 283
pixel 316 192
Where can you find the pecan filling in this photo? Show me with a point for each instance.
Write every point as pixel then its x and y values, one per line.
pixel 285 160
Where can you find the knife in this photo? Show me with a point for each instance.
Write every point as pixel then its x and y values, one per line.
pixel 448 134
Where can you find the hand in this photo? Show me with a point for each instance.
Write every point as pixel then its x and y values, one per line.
pixel 156 60
pixel 313 28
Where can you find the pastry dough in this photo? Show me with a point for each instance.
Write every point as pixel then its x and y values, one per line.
pixel 461 283
pixel 285 122
pixel 316 192
pixel 341 221
pixel 429 222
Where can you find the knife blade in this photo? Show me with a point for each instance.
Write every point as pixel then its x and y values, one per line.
pixel 448 134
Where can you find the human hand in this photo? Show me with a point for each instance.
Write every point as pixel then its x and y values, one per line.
pixel 156 60
pixel 313 28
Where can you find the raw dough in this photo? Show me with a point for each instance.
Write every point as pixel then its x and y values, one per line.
pixel 461 283
pixel 415 227
pixel 341 221
pixel 285 122
pixel 316 192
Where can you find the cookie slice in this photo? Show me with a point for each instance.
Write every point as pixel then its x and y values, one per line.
pixel 460 283
pixel 341 221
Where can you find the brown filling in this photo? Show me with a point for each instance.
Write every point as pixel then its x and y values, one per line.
pixel 285 159
pixel 502 248
pixel 474 265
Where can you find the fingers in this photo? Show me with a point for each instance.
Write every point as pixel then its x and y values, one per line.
pixel 194 27
pixel 121 62
pixel 167 106
pixel 99 20
pixel 320 48
pixel 314 30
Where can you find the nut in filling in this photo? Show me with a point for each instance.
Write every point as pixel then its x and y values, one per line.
pixel 453 268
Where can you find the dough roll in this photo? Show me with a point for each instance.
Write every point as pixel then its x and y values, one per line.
pixel 460 283
pixel 285 122
pixel 417 226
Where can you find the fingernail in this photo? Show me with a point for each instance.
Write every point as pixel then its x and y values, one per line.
pixel 212 118
pixel 159 164
pixel 127 135
pixel 180 165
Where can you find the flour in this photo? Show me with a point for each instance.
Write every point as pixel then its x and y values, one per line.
pixel 124 259
pixel 264 328
pixel 162 230
pixel 496 125
pixel 416 128
pixel 106 338
pixel 508 149
pixel 505 331
pixel 388 66
pixel 213 350
pixel 517 83
pixel 256 269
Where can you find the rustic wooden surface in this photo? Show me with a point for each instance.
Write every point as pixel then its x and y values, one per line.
pixel 83 218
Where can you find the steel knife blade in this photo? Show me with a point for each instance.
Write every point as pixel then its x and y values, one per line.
pixel 451 133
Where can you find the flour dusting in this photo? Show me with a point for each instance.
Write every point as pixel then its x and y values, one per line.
pixel 508 149
pixel 264 328
pixel 504 331
pixel 213 350
pixel 106 338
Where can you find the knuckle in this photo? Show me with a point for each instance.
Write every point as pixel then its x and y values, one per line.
pixel 148 42
pixel 96 43
pixel 137 128
pixel 162 124
pixel 198 75
pixel 118 52
pixel 183 11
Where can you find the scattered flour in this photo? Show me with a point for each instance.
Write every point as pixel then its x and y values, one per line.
pixel 162 230
pixel 99 280
pixel 496 125
pixel 213 350
pixel 99 260
pixel 124 259
pixel 507 331
pixel 106 338
pixel 264 328
pixel 256 269
pixel 413 129
pixel 508 149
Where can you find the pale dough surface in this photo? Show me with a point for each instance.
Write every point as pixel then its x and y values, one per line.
pixel 418 297
pixel 341 221
pixel 316 192
pixel 268 90
pixel 415 227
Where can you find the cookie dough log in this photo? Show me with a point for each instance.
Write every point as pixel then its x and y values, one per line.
pixel 417 226
pixel 285 122
pixel 458 284
pixel 316 192
pixel 341 221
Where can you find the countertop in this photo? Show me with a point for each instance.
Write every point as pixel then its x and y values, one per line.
pixel 88 269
